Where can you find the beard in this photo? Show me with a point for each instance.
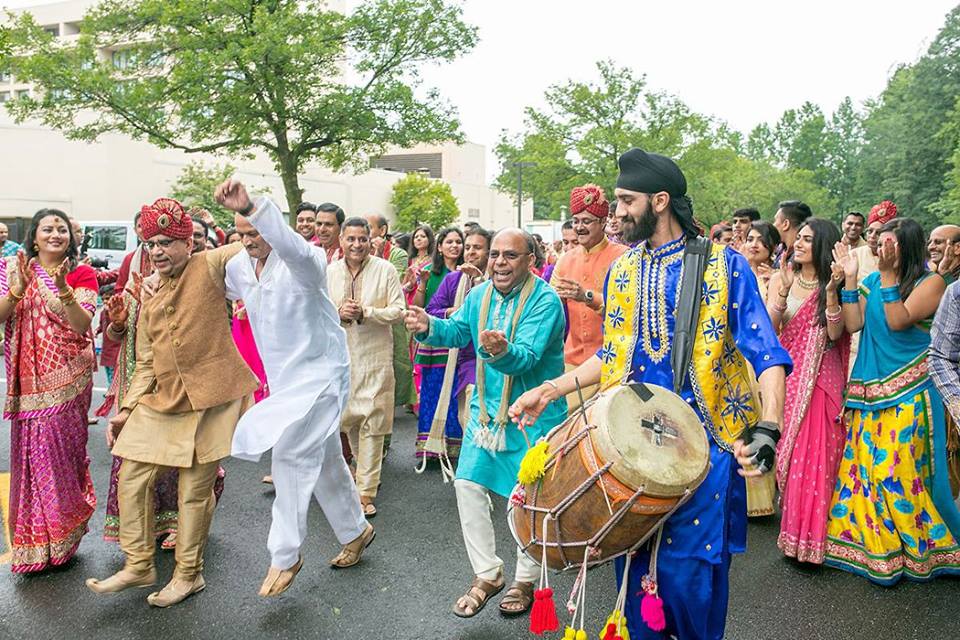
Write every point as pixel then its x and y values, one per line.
pixel 637 230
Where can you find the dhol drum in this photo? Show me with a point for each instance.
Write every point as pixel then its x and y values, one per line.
pixel 615 471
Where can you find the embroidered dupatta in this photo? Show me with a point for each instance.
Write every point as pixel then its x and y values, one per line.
pixel 48 364
pixel 806 341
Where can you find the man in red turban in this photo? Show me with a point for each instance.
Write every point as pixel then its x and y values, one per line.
pixel 182 405
pixel 578 279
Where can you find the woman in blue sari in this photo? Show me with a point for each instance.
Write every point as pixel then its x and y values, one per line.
pixel 892 514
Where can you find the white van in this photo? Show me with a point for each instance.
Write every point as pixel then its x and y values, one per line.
pixel 109 241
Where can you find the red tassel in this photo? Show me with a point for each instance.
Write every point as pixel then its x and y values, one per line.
pixel 610 633
pixel 543 615
pixel 651 612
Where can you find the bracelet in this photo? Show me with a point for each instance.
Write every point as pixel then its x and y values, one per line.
pixel 890 294
pixel 780 307
pixel 65 294
pixel 849 296
pixel 552 384
pixel 949 278
pixel 247 210
pixel 782 294
pixel 16 298
pixel 833 317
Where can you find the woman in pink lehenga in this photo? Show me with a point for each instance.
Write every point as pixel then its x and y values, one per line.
pixel 803 301
pixel 47 305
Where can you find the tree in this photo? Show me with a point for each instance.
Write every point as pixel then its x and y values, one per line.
pixel 288 78
pixel 195 185
pixel 418 199
pixel 584 130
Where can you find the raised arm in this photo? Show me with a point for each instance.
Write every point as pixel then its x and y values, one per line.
pixel 266 217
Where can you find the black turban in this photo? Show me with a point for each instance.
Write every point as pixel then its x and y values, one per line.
pixel 652 173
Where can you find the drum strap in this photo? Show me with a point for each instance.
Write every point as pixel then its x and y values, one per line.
pixel 688 308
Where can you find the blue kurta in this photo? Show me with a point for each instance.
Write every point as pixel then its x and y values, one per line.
pixel 713 523
pixel 534 355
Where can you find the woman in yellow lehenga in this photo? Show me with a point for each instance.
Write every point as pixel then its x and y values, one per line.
pixel 892 515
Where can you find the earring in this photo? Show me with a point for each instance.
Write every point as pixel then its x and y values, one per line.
pixel 35 247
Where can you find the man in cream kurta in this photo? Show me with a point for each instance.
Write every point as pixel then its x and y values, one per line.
pixel 366 290
pixel 282 282
pixel 186 395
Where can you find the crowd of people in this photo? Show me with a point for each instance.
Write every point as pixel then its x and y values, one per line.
pixel 824 368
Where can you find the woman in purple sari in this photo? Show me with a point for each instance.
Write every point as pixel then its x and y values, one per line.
pixel 48 302
pixel 803 303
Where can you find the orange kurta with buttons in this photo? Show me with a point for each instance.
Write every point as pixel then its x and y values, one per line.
pixel 589 269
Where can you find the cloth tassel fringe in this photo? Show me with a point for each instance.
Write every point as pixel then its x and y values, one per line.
pixel 651 612
pixel 543 615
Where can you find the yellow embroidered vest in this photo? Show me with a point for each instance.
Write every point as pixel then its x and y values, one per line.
pixel 719 374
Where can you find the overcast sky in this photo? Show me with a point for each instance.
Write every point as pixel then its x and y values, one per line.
pixel 744 61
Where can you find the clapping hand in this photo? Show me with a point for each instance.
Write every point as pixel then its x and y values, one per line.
pixel 845 259
pixel 950 261
pixel 117 311
pixel 60 274
pixel 888 254
pixel 567 288
pixel 493 342
pixel 350 311
pixel 26 272
pixel 469 270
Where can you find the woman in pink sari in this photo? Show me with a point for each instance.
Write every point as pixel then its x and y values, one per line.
pixel 803 302
pixel 48 302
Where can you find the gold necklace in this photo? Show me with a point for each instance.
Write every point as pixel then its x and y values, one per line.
pixel 807 284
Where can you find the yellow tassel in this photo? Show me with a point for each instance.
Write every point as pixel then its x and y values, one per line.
pixel 620 622
pixel 534 463
pixel 581 635
pixel 569 634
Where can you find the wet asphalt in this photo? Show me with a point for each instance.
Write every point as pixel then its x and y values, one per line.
pixel 411 575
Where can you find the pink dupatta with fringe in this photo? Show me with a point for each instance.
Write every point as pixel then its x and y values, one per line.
pixel 807 343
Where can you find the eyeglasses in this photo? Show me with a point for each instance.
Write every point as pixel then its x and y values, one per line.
pixel 584 222
pixel 150 245
pixel 507 255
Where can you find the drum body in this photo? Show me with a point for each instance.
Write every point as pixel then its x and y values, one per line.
pixel 616 470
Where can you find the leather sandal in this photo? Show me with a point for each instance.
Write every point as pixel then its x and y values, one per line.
pixel 478 595
pixel 518 593
pixel 351 552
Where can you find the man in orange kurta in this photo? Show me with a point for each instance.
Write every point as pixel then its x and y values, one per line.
pixel 578 279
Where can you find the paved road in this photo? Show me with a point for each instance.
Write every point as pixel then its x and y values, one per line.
pixel 411 575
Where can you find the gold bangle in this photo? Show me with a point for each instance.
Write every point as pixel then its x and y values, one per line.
pixel 68 301
pixel 18 298
pixel 65 294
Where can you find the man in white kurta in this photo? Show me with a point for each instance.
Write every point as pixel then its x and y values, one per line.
pixel 282 281
pixel 366 290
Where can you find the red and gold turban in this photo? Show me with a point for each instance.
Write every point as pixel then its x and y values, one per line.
pixel 589 198
pixel 165 216
pixel 882 213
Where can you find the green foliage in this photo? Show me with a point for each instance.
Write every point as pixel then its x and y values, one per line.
pixel 195 185
pixel 418 199
pixel 911 140
pixel 586 127
pixel 288 78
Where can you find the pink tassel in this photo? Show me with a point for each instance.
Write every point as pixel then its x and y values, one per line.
pixel 651 611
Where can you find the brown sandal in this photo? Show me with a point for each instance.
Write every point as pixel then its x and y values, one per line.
pixel 478 594
pixel 519 593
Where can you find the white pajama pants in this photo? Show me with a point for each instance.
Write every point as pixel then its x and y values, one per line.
pixel 306 465
pixel 473 502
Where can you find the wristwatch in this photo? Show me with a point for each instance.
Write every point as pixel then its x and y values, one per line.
pixel 588 296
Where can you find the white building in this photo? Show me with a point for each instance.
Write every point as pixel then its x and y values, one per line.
pixel 112 178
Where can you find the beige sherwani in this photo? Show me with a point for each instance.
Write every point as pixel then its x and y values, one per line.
pixel 188 390
pixel 368 416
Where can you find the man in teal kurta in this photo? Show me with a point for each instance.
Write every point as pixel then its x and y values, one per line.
pixel 516 322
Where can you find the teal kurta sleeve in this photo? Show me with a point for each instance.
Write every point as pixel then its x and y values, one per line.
pixel 452 332
pixel 538 330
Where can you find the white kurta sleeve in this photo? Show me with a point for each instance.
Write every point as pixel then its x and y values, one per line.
pixel 290 247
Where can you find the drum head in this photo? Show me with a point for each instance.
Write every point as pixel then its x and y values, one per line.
pixel 653 438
